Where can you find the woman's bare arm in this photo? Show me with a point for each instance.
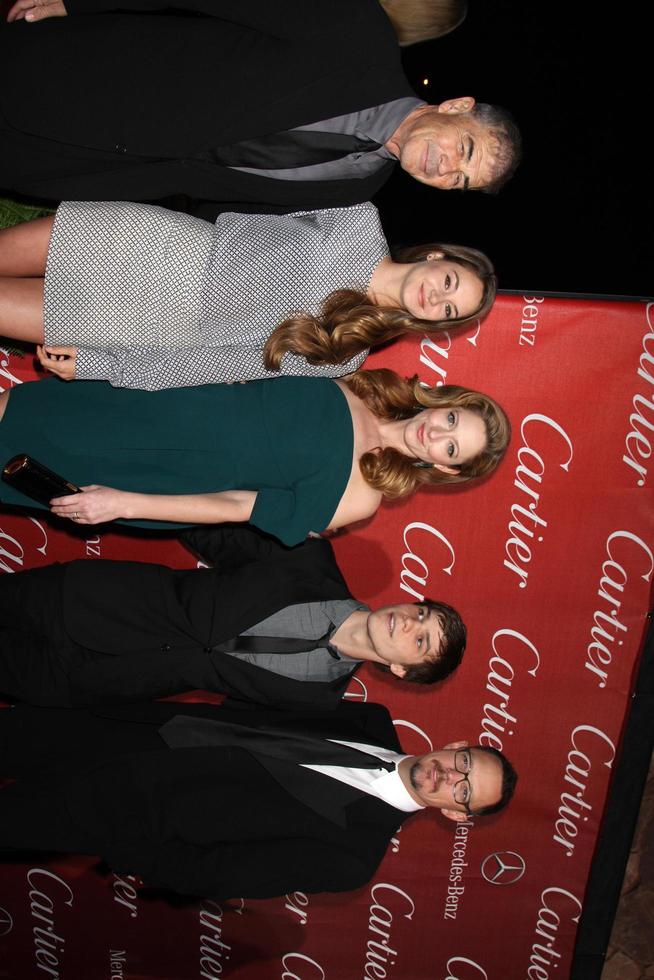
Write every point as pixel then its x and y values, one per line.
pixel 96 505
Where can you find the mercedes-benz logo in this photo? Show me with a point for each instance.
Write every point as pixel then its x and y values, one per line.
pixel 6 922
pixel 503 867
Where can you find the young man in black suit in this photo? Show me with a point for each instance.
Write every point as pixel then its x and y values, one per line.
pixel 269 624
pixel 240 103
pixel 246 803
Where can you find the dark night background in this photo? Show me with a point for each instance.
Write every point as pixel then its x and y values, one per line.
pixel 577 215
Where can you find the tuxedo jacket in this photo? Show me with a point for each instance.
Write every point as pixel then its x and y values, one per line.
pixel 210 821
pixel 164 89
pixel 158 625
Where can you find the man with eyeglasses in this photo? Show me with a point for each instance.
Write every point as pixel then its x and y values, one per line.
pixel 461 781
pixel 231 801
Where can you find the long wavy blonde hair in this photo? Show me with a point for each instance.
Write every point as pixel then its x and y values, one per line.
pixel 349 322
pixel 391 397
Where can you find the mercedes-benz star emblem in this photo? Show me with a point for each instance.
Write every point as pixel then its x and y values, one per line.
pixel 503 867
pixel 6 922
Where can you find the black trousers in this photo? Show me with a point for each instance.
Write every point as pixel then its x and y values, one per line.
pixel 90 783
pixel 36 653
pixel 47 751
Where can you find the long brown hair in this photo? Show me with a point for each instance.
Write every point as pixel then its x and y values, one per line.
pixel 349 322
pixel 390 397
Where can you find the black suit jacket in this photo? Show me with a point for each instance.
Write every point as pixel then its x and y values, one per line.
pixel 163 90
pixel 159 624
pixel 217 822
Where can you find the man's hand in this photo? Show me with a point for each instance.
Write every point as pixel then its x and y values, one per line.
pixel 94 506
pixel 61 361
pixel 36 10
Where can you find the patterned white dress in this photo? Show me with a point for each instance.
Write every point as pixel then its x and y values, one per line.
pixel 157 299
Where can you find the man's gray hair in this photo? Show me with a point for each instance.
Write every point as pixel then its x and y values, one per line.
pixel 501 124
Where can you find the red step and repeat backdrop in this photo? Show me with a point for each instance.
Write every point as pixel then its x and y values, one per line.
pixel 551 563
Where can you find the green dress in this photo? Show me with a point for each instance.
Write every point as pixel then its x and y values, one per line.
pixel 290 439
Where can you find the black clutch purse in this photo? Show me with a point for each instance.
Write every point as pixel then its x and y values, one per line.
pixel 35 480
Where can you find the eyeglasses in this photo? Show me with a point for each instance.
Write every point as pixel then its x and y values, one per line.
pixel 462 790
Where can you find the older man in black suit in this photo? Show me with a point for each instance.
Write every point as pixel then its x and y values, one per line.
pixel 240 102
pixel 208 801
pixel 269 624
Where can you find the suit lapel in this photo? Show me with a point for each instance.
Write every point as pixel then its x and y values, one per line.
pixel 324 795
pixel 365 723
pixel 250 594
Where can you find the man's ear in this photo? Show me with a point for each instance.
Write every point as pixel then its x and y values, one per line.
pixel 398 670
pixel 454 107
pixel 456 815
pixel 457 745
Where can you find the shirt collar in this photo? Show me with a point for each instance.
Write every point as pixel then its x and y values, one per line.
pixel 388 786
pixel 380 122
pixel 338 611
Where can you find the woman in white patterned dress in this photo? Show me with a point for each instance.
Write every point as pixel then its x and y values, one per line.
pixel 149 298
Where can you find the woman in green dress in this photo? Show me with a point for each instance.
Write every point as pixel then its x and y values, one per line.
pixel 293 456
